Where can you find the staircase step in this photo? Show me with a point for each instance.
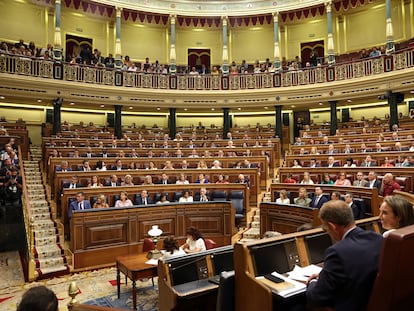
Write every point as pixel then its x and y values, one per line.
pixel 48 251
pixel 46 240
pixel 53 269
pixel 40 233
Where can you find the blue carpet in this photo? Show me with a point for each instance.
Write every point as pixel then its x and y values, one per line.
pixel 147 300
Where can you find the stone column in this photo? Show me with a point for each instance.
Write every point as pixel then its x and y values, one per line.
pixel 57 104
pixel 331 51
pixel 389 32
pixel 225 67
pixel 118 122
pixel 57 44
pixel 334 117
pixel 172 122
pixel 279 123
pixel 226 122
pixel 173 57
pixel 276 49
pixel 118 53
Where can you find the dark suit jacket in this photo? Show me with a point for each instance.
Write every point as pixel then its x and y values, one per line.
pixel 160 182
pixel 322 200
pixel 356 211
pixel 350 268
pixel 377 184
pixel 59 169
pixel 109 184
pixel 335 164
pixel 75 207
pixel 141 202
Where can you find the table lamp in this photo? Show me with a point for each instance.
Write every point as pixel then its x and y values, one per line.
pixel 154 233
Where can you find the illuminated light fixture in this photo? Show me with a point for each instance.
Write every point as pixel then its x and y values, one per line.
pixel 39 100
pixel 293 106
pixel 130 107
pixel 154 233
pixel 158 108
pixel 185 109
pixel 102 106
pixel 212 109
pixel 349 100
pixel 266 107
pixel 2 97
pixel 72 104
pixel 239 108
pixel 320 104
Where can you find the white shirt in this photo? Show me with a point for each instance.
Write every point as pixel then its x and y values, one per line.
pixel 193 245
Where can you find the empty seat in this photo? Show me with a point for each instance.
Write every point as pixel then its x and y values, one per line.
pixel 225 294
pixel 237 198
pixel 219 195
pixel 210 243
pixel 137 199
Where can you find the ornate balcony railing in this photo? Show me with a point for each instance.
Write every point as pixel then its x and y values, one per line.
pixel 102 76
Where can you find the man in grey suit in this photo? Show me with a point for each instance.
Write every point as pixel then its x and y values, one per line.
pixel 360 181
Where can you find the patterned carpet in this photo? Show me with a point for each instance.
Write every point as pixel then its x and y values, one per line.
pixel 95 287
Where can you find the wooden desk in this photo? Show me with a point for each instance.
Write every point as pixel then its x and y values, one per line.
pixel 135 268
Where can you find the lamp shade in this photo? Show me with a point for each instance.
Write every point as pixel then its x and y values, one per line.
pixel 154 231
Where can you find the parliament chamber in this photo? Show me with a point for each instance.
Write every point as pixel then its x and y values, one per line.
pixel 238 100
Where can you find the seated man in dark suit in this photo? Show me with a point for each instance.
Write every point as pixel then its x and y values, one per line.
pixel 73 184
pixel 373 181
pixel 332 163
pixel 64 167
pixel 358 213
pixel 247 164
pixel 164 180
pixel 113 182
pixel 144 199
pixel 79 204
pixel 318 199
pixel 350 265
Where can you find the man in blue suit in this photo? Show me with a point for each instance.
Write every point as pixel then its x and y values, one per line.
pixel 350 265
pixel 79 204
pixel 318 199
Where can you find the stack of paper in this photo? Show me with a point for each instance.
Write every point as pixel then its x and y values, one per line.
pixel 303 273
pixel 284 289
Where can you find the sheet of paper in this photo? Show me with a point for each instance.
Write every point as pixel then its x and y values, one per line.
pixel 303 273
pixel 153 262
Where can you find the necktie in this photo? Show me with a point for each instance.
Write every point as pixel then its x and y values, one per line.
pixel 80 206
pixel 359 183
pixel 316 202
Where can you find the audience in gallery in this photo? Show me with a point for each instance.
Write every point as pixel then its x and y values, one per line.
pixel 93 57
pixel 195 241
pixel 395 212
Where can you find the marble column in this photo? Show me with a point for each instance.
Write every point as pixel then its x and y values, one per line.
pixel 225 67
pixel 389 32
pixel 118 53
pixel 118 121
pixel 172 122
pixel 57 105
pixel 57 44
pixel 331 50
pixel 173 57
pixel 334 117
pixel 278 110
pixel 276 48
pixel 226 122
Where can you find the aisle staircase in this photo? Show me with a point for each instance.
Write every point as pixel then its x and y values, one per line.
pixel 48 252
